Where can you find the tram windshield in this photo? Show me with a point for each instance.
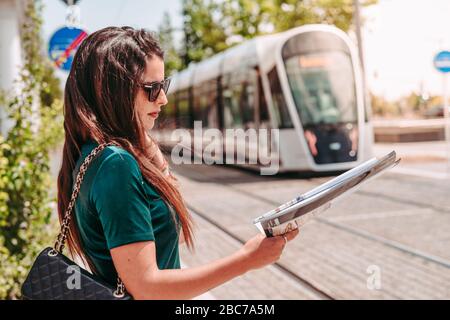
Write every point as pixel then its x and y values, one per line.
pixel 321 80
pixel 323 87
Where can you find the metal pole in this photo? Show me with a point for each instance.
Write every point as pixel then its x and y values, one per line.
pixel 365 89
pixel 447 120
pixel 73 16
pixel 359 36
pixel 357 22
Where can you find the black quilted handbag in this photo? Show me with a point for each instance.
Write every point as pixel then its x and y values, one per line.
pixel 52 274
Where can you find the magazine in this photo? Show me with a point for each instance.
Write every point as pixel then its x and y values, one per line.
pixel 295 213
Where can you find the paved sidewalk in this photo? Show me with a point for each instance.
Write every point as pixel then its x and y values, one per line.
pixel 422 159
pixel 266 283
pixel 385 225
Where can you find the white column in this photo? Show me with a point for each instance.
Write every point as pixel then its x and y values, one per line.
pixel 10 51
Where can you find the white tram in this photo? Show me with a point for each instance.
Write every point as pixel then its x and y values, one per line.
pixel 305 82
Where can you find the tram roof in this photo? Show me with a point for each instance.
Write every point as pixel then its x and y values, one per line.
pixel 257 51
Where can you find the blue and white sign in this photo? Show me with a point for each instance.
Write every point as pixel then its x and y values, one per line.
pixel 63 44
pixel 442 61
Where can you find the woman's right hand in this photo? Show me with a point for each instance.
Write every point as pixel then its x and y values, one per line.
pixel 260 250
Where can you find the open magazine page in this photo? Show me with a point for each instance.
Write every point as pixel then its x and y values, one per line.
pixel 320 198
pixel 350 174
pixel 329 184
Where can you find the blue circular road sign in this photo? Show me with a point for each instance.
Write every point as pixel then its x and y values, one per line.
pixel 63 44
pixel 442 61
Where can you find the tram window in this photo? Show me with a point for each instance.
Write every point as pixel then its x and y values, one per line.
pixel 245 102
pixel 211 116
pixel 230 97
pixel 199 102
pixel 205 104
pixel 184 118
pixel 263 110
pixel 323 87
pixel 279 103
pixel 239 99
pixel 248 91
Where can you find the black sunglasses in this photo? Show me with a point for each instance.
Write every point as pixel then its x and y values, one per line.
pixel 154 88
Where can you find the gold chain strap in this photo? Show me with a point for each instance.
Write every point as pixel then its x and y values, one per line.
pixel 62 236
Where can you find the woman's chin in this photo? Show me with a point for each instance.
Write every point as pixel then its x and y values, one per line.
pixel 149 125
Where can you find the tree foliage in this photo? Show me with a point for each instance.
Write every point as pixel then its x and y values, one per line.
pixel 172 58
pixel 204 34
pixel 293 13
pixel 211 26
pixel 26 204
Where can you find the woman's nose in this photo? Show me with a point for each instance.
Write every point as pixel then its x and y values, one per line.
pixel 162 98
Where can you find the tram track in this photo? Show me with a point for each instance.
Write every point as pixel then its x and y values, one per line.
pixel 343 227
pixel 358 232
pixel 286 272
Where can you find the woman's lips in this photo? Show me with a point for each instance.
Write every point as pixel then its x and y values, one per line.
pixel 153 114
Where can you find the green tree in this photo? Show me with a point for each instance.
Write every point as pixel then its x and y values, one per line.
pixel 292 13
pixel 204 34
pixel 26 205
pixel 245 19
pixel 165 33
pixel 213 26
pixel 384 108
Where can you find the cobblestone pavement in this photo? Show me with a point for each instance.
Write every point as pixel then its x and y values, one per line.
pixel 397 225
pixel 423 159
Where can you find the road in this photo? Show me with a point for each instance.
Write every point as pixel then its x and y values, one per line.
pixel 395 228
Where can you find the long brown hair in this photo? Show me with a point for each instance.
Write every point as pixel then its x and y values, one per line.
pixel 99 102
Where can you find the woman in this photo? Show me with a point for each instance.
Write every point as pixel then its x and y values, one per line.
pixel 129 215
